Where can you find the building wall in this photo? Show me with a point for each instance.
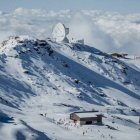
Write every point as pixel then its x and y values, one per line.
pixel 91 121
pixel 85 122
pixel 73 116
pixel 99 119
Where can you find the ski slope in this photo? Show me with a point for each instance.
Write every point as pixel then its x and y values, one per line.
pixel 42 82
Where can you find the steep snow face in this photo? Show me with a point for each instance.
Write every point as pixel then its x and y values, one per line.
pixel 42 82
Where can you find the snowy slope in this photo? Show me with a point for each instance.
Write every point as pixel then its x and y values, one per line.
pixel 42 82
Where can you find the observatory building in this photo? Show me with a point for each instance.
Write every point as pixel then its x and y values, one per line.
pixel 60 32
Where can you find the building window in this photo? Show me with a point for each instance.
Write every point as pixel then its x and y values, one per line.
pixel 88 122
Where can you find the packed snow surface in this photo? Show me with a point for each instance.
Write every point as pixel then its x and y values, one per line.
pixel 42 82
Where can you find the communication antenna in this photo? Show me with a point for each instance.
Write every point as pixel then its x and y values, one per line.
pixel 60 32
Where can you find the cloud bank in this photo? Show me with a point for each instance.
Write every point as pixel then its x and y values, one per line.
pixel 107 31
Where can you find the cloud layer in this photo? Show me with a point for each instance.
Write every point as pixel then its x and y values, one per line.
pixel 104 30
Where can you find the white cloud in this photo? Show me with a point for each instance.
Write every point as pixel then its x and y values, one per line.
pixel 106 31
pixel 82 27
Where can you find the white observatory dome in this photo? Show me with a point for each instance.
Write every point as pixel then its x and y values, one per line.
pixel 60 32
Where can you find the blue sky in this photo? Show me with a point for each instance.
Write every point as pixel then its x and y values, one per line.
pixel 122 6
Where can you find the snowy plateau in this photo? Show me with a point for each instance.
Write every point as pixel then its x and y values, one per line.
pixel 42 82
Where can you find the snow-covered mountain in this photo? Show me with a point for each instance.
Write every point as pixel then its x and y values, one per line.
pixel 42 82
